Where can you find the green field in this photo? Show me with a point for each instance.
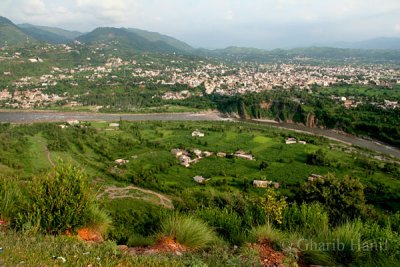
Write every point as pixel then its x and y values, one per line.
pixel 148 145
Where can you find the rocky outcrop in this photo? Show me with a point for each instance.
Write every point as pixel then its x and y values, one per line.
pixel 312 120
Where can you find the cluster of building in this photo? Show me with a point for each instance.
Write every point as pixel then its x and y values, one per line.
pixel 353 102
pixel 216 78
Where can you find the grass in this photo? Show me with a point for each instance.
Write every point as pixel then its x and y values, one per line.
pixel 39 250
pixel 286 163
pixel 188 231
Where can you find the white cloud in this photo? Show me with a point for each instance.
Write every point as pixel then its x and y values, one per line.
pixel 221 22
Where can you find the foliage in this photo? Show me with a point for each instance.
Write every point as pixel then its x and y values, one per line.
pixel 317 158
pixel 307 219
pixel 188 231
pixel 274 205
pixel 133 219
pixel 10 194
pixel 343 198
pixel 38 250
pixel 226 222
pixel 59 201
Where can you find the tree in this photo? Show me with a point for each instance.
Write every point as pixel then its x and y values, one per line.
pixel 317 158
pixel 273 205
pixel 343 198
pixel 263 165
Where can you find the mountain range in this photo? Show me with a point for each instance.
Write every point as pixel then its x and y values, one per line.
pixel 145 41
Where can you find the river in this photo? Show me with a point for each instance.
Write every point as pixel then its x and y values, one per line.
pixel 50 116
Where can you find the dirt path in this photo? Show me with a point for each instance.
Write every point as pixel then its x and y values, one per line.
pixel 46 149
pixel 114 192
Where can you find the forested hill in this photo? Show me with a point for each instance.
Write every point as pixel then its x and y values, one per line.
pixel 10 34
pixel 137 40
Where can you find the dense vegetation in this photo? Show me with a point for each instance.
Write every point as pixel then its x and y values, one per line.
pixel 296 105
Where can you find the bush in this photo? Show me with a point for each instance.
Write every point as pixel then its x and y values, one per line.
pixel 382 243
pixel 10 195
pixel 307 219
pixel 133 217
pixel 344 198
pixel 318 158
pixel 276 237
pixel 59 201
pixel 188 231
pixel 226 222
pixel 137 240
pixel 341 243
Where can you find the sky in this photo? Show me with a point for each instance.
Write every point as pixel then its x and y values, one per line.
pixel 220 23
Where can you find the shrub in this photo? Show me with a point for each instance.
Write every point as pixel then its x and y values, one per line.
pixel 346 237
pixel 382 243
pixel 307 219
pixel 59 201
pixel 226 222
pixel 318 158
pixel 137 240
pixel 10 195
pixel 268 232
pixel 133 217
pixel 344 198
pixel 188 231
pixel 273 205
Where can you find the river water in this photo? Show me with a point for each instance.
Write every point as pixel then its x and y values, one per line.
pixel 46 116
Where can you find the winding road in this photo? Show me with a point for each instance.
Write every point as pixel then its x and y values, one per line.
pixel 114 192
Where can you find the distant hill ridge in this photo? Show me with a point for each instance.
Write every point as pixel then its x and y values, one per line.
pixel 137 40
pixel 49 34
pixel 10 34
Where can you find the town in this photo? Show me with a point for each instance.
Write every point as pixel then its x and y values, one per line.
pixel 52 86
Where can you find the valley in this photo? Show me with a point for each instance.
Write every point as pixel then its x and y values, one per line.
pixel 126 147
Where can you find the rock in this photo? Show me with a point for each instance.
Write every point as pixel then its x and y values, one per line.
pixel 178 253
pixel 123 248
pixel 88 234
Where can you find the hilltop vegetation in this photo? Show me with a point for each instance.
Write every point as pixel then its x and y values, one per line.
pixel 49 34
pixel 10 33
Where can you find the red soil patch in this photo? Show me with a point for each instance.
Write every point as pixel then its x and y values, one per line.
pixel 268 256
pixel 165 245
pixel 91 235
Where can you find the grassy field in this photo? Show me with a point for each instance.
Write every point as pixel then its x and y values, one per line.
pixel 147 146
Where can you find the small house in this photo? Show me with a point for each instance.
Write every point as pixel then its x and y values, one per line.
pixel 185 160
pixel 314 177
pixel 73 122
pixel 221 154
pixel 207 154
pixel 243 155
pixel 121 161
pixel 199 179
pixel 261 184
pixel 290 141
pixel 197 133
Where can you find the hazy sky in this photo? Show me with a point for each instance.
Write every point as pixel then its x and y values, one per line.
pixel 221 23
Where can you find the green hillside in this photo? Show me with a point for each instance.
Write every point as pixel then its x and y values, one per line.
pixel 10 34
pixel 137 40
pixel 49 34
pixel 156 37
